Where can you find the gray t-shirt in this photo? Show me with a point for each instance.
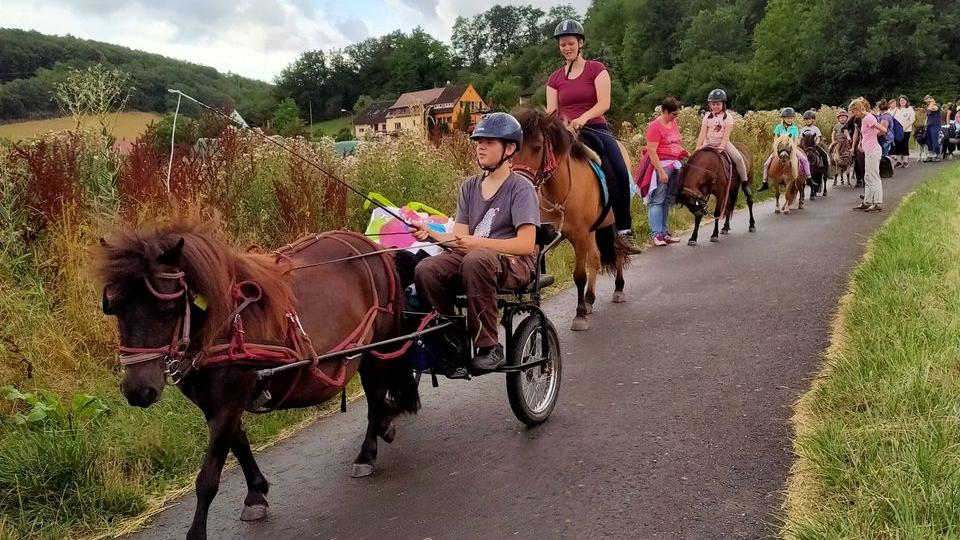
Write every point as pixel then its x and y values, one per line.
pixel 513 205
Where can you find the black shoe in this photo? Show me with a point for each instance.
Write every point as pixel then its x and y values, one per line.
pixel 765 186
pixel 488 359
pixel 458 372
pixel 873 208
pixel 626 242
pixel 863 206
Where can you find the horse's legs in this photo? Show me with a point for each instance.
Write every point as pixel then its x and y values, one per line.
pixel 593 270
pixel 255 505
pixel 717 215
pixel 223 426
pixel 696 229
pixel 776 198
pixel 376 391
pixel 580 248
pixel 749 194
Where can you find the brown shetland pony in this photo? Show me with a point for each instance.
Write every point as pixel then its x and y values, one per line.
pixel 784 171
pixel 704 174
pixel 559 166
pixel 179 294
pixel 841 160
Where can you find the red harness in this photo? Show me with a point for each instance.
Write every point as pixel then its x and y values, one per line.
pixel 236 348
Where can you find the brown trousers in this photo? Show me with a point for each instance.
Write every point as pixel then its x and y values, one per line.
pixel 478 273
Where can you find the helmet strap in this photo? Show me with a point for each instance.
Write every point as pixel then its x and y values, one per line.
pixel 503 159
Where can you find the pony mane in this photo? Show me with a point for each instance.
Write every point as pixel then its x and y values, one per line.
pixel 534 121
pixel 210 265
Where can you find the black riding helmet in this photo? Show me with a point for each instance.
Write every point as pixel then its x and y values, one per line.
pixel 569 27
pixel 500 126
pixel 718 94
pixel 810 115
pixel 788 112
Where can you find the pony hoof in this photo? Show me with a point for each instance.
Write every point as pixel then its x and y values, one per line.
pixel 253 513
pixel 785 212
pixel 579 324
pixel 361 470
pixel 619 297
pixel 753 229
pixel 724 232
pixel 714 239
pixel 691 242
pixel 776 211
pixel 389 434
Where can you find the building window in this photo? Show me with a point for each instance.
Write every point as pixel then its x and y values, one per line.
pixel 396 126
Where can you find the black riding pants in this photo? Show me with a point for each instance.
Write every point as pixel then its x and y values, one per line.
pixel 600 139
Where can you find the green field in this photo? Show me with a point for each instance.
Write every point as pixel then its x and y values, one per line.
pixel 330 128
pixel 877 435
pixel 127 125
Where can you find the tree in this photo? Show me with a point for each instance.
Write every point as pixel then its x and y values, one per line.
pixel 504 96
pixel 363 102
pixel 286 119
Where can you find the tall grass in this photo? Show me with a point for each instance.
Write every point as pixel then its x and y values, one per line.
pixel 877 435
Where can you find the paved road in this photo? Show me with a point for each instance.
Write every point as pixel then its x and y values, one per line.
pixel 673 420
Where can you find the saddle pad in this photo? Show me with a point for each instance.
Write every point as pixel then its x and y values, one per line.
pixel 602 178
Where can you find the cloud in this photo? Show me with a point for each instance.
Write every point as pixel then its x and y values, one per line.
pixel 256 38
pixel 441 14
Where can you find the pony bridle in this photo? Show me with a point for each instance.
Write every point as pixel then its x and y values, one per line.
pixel 174 353
pixel 542 174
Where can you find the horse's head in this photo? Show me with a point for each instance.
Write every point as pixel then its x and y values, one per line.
pixel 546 142
pixel 146 290
pixel 808 140
pixel 784 147
pixel 173 290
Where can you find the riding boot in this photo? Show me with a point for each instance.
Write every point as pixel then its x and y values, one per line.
pixel 627 242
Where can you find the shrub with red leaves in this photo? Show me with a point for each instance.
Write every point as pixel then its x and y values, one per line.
pixel 50 174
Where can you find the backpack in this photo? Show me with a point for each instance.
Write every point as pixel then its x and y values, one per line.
pixel 897 128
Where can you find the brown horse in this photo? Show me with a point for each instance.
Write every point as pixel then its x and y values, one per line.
pixel 784 171
pixel 841 159
pixel 708 173
pixel 570 197
pixel 817 158
pixel 206 317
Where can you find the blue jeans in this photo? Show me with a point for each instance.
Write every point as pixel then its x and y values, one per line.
pixel 933 139
pixel 658 210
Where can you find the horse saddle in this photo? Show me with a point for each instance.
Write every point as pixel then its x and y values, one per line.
pixel 592 155
pixel 728 167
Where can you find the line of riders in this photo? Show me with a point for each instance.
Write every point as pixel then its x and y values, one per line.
pixel 497 210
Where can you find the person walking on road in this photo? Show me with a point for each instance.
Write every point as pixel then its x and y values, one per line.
pixel 871 131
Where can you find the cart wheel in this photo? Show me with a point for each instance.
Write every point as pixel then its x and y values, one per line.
pixel 533 392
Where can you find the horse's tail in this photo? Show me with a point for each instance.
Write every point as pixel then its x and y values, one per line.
pixel 607 245
pixel 403 388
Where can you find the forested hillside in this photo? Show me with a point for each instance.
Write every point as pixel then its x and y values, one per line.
pixel 31 64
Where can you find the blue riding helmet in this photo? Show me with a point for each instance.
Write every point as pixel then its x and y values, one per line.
pixel 501 126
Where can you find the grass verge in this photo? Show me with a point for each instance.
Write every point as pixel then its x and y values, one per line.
pixel 877 435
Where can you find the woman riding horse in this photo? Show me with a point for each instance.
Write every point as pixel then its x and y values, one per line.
pixel 580 92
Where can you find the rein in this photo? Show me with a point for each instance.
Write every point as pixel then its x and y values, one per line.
pixel 543 174
pixel 235 348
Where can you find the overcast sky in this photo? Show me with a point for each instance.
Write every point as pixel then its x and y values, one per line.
pixel 256 38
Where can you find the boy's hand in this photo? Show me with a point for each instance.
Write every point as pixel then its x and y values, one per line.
pixel 420 231
pixel 468 243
